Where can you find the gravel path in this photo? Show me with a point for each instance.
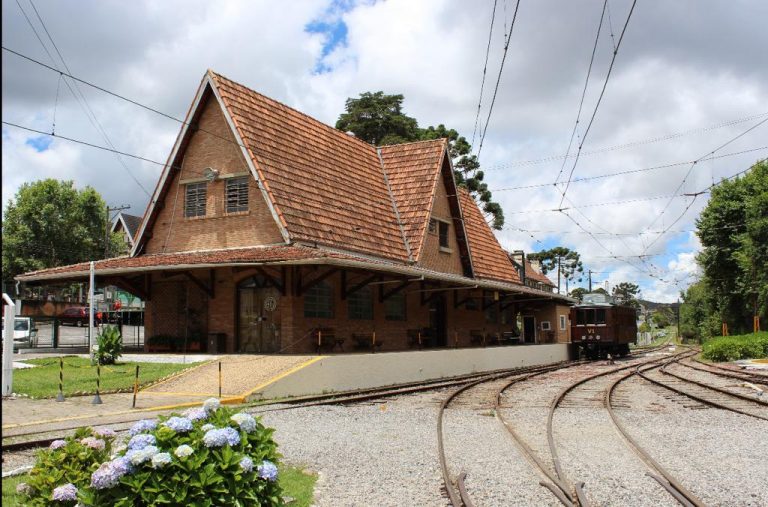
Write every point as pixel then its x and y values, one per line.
pixel 720 456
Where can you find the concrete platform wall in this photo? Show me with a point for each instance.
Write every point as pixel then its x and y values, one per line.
pixel 357 371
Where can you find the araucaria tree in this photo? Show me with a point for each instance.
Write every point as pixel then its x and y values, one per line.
pixel 50 223
pixel 627 292
pixel 567 262
pixel 379 119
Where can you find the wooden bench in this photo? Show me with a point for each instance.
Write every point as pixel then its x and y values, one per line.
pixel 325 338
pixel 414 338
pixel 366 342
pixel 476 337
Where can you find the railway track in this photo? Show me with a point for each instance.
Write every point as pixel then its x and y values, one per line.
pixel 755 378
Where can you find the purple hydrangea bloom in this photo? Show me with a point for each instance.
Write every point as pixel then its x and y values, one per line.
pixel 183 451
pixel 207 427
pixel 267 470
pixel 246 464
pixel 108 474
pixel 141 441
pixel 65 493
pixel 105 433
pixel 93 443
pixel 161 459
pixel 57 444
pixel 246 421
pixel 196 414
pixel 221 437
pixel 211 404
pixel 143 426
pixel 139 456
pixel 179 424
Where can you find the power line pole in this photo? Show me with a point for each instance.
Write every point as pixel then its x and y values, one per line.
pixel 109 222
pixel 590 280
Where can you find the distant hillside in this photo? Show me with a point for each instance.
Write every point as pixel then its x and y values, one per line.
pixel 653 306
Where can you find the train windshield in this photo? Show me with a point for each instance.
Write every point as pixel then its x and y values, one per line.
pixel 590 316
pixel 600 317
pixel 579 317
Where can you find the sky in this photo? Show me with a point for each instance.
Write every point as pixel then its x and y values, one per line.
pixel 688 79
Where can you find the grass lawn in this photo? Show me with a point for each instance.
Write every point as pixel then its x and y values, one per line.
pixel 296 483
pixel 732 348
pixel 42 381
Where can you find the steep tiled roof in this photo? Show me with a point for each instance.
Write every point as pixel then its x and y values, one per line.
pixel 535 275
pixel 489 260
pixel 327 186
pixel 412 170
pixel 132 223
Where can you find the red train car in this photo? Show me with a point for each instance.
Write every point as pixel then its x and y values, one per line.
pixel 600 326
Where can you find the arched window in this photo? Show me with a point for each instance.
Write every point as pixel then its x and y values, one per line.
pixel 360 304
pixel 318 301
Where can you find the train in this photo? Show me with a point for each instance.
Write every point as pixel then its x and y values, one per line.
pixel 600 326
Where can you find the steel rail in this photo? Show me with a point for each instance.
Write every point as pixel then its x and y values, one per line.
pixel 672 485
pixel 695 397
pixel 755 378
pixel 740 396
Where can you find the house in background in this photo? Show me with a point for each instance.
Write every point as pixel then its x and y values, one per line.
pixel 276 233
pixel 128 225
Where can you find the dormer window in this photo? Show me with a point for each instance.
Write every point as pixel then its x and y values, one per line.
pixel 443 226
pixel 194 199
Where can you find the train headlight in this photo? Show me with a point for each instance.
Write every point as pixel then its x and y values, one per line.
pixel 597 337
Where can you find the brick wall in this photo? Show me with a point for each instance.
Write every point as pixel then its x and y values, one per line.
pixel 431 255
pixel 217 229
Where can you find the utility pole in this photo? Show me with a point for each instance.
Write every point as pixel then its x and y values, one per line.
pixel 590 280
pixel 678 320
pixel 109 222
pixel 558 275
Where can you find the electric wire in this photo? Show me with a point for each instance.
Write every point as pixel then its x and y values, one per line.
pixel 485 69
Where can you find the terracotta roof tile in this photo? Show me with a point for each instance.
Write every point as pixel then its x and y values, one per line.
pixel 412 170
pixel 327 186
pixel 489 260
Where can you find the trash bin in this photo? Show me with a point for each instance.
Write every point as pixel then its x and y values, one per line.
pixel 216 342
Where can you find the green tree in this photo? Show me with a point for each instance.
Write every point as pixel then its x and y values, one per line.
pixel 567 262
pixel 50 223
pixel 663 317
pixel 379 119
pixel 733 229
pixel 627 292
pixel 578 293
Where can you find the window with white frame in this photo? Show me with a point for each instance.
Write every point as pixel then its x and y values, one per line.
pixel 563 322
pixel 443 234
pixel 236 194
pixel 194 199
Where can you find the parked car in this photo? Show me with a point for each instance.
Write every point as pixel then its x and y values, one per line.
pixel 22 333
pixel 78 317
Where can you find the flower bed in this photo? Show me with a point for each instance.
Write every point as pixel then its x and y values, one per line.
pixel 207 456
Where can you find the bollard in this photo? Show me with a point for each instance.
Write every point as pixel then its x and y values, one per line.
pixel 97 398
pixel 60 396
pixel 373 343
pixel 455 338
pixel 219 379
pixel 135 386
pixel 419 339
pixel 319 340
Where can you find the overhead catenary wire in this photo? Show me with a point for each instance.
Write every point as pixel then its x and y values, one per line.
pixel 485 69
pixel 498 79
pixel 599 100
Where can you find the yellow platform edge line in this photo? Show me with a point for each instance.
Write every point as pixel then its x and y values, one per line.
pixel 232 400
pixel 282 375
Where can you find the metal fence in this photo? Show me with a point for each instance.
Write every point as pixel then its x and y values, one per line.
pixel 50 332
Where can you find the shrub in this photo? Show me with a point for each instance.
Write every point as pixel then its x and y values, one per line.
pixel 110 345
pixel 208 456
pixel 732 348
pixel 66 462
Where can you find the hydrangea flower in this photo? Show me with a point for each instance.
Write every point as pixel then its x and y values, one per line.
pixel 267 470
pixel 246 464
pixel 207 427
pixel 57 444
pixel 93 443
pixel 140 441
pixel 105 433
pixel 23 488
pixel 143 426
pixel 221 437
pixel 139 456
pixel 211 404
pixel 246 421
pixel 179 424
pixel 108 474
pixel 160 459
pixel 183 451
pixel 65 493
pixel 196 414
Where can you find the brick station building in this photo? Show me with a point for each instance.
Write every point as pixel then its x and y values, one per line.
pixel 278 233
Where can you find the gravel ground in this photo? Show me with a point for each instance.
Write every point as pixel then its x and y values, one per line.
pixel 720 456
